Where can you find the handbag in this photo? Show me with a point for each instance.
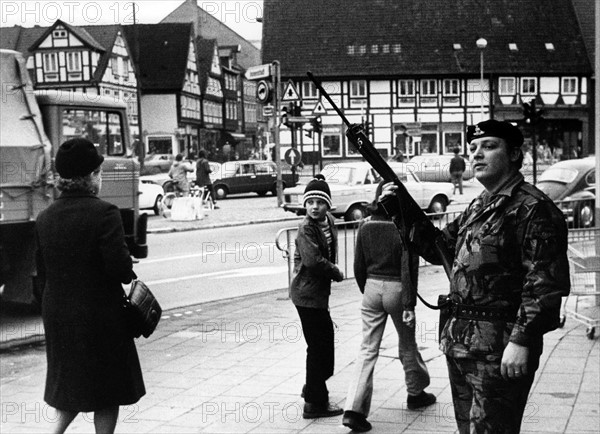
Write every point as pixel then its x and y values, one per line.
pixel 144 311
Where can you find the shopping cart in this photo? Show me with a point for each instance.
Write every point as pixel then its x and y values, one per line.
pixel 584 263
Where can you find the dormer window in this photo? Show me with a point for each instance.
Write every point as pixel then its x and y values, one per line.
pixel 396 48
pixel 549 46
pixel 513 47
pixel 350 49
pixel 457 47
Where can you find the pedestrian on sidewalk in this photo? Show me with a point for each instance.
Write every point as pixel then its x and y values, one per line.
pixel 509 272
pixel 93 364
pixel 203 172
pixel 386 272
pixel 314 269
pixel 457 168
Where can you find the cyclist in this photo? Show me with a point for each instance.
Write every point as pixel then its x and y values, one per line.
pixel 178 173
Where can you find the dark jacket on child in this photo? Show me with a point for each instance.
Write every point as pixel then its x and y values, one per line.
pixel 314 265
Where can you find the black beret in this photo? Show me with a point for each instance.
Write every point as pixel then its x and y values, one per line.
pixel 77 157
pixel 494 128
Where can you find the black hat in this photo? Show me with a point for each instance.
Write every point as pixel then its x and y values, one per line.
pixel 77 157
pixel 317 189
pixel 494 128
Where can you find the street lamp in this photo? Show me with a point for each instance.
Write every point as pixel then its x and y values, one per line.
pixel 481 44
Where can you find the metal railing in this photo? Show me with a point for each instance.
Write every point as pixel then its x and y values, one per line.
pixel 285 238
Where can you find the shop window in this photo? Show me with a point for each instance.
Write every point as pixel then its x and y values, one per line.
pixel 452 140
pixel 332 145
pixel 429 143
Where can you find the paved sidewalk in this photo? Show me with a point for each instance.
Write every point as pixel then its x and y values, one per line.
pixel 237 366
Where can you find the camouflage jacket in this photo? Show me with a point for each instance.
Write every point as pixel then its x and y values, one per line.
pixel 510 252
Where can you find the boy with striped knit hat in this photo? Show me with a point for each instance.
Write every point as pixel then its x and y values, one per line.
pixel 314 269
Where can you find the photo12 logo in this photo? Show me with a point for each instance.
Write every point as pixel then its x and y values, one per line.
pixel 233 11
pixel 46 13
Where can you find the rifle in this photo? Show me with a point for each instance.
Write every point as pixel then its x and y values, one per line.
pixel 410 213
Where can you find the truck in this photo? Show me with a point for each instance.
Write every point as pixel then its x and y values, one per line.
pixel 33 125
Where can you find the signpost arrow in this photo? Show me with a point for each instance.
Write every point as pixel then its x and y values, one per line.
pixel 293 157
pixel 258 72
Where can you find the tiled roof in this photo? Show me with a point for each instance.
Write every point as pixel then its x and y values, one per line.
pixel 586 15
pixel 163 52
pixel 205 50
pixel 209 27
pixel 83 35
pixel 416 37
pixel 20 38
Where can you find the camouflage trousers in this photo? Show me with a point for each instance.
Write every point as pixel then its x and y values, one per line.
pixel 484 402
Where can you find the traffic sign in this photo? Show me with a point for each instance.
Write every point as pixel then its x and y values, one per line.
pixel 293 157
pixel 290 93
pixel 268 111
pixel 319 109
pixel 263 91
pixel 258 72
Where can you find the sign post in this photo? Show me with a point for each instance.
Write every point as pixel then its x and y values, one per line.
pixel 276 71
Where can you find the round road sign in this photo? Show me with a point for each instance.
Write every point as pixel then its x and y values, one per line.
pixel 263 91
pixel 293 157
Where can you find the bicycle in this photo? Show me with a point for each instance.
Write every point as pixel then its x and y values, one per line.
pixel 204 194
pixel 172 191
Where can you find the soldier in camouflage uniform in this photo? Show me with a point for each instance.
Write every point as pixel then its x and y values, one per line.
pixel 509 273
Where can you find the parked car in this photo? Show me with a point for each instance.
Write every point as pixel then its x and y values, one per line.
pixel 150 196
pixel 353 186
pixel 157 163
pixel 432 167
pixel 572 183
pixel 248 176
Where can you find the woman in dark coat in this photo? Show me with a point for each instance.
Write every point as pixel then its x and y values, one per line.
pixel 93 364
